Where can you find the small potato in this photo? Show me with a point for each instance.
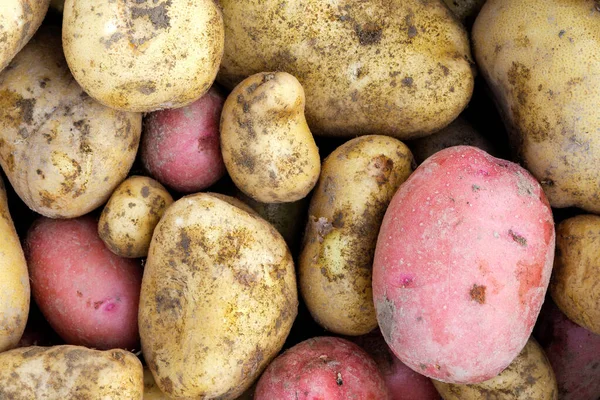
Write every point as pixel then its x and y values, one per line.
pixel 358 181
pixel 70 372
pixel 267 146
pixel 131 214
pixel 529 376
pixel 575 283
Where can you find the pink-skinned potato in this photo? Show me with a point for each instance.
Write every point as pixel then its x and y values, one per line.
pixel 180 147
pixel 88 294
pixel 462 265
pixel 322 368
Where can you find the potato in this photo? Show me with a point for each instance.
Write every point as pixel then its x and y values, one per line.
pixel 88 294
pixel 322 368
pixel 393 67
pixel 540 58
pixel 131 214
pixel 529 376
pixel 14 280
pixel 218 298
pixel 575 284
pixel 357 183
pixel 63 152
pixel 267 146
pixel 462 264
pixel 143 56
pixel 70 372
pixel 180 147
pixel 19 20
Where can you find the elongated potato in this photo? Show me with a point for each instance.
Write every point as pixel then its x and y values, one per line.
pixel 358 181
pixel 218 298
pixel 70 372
pixel 14 280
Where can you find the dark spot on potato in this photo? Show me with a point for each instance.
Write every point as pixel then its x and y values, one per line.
pixel 412 31
pixel 79 294
pixel 26 106
pixel 97 304
pixel 338 220
pixel 253 363
pixel 145 191
pixel 166 385
pixel 561 33
pixel 475 188
pixel 408 81
pixel 338 379
pixel 185 242
pixel 383 169
pixel 518 238
pixel 323 227
pixel 385 317
pixel 158 15
pixel 368 34
pixel 111 40
pixel 477 293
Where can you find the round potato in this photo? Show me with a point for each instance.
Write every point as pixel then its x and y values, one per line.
pixel 70 372
pixel 267 146
pixel 143 55
pixel 357 183
pixel 63 152
pixel 575 284
pixel 218 298
pixel 131 214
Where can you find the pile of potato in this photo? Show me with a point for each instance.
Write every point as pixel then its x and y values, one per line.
pixel 285 200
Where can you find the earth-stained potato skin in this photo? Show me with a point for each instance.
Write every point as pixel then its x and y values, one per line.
pixel 131 214
pixel 70 372
pixel 63 152
pixel 218 298
pixel 400 68
pixel 143 55
pixel 19 20
pixel 14 280
pixel 267 147
pixel 542 61
pixel 575 283
pixel 357 183
pixel 528 377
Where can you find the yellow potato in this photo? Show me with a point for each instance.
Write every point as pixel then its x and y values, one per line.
pixel 131 214
pixel 267 146
pixel 70 372
pixel 218 298
pixel 14 280
pixel 357 183
pixel 143 55
pixel 63 152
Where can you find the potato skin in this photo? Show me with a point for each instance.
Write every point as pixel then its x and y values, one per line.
pixel 400 68
pixel 69 372
pixel 155 55
pixel 462 264
pixel 14 280
pixel 63 152
pixel 131 214
pixel 541 60
pixel 267 146
pixel 218 298
pixel 357 182
pixel 575 283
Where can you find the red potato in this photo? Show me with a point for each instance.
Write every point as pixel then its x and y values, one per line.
pixel 88 294
pixel 180 147
pixel 462 264
pixel 322 368
pixel 573 351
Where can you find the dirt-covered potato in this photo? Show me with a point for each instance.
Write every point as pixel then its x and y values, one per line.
pixel 14 280
pixel 218 298
pixel 541 60
pixel 357 183
pixel 63 152
pixel 391 67
pixel 575 283
pixel 528 377
pixel 19 20
pixel 131 214
pixel 70 372
pixel 267 146
pixel 143 55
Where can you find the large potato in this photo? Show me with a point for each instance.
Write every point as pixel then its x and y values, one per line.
pixel 14 280
pixel 63 152
pixel 540 58
pixel 357 183
pixel 143 55
pixel 70 372
pixel 392 67
pixel 462 264
pixel 218 298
